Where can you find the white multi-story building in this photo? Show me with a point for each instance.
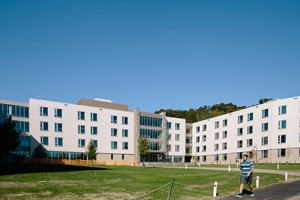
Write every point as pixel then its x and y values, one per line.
pixel 268 132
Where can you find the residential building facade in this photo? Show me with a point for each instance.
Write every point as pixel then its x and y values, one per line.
pixel 268 132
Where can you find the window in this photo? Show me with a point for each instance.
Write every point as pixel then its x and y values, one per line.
pixel 224 157
pixel 58 112
pixel 265 113
pixel 45 141
pixel 168 147
pixel 177 137
pixel 240 131
pixel 197 149
pixel 95 143
pixel 204 127
pixel 114 145
pixel 264 127
pixel 203 138
pixel 240 119
pixel 124 120
pixel 203 158
pixel 204 148
pixel 217 124
pixel 281 153
pixel 150 121
pixel 239 143
pixel 250 116
pixel 81 115
pixel 198 128
pixel 282 110
pixel 264 153
pixel 264 141
pixel 177 148
pixel 249 129
pixel 198 138
pixel 216 147
pixel 177 126
pixel 94 117
pixel 169 125
pixel 43 111
pixel 224 122
pixel 81 129
pixel 282 124
pixel 169 136
pixel 224 134
pixel 58 127
pixel 114 119
pixel 114 132
pixel 81 143
pixel 281 139
pixel 94 130
pixel 124 133
pixel 58 142
pixel 217 136
pixel 249 142
pixel 239 155
pixel 44 126
pixel 217 157
pixel 224 145
pixel 125 145
pixel 111 156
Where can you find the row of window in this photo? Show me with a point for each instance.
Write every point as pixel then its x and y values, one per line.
pixel 58 127
pixel 81 143
pixel 177 137
pixel 81 115
pixel 177 126
pixel 16 111
pixel 177 148
pixel 240 119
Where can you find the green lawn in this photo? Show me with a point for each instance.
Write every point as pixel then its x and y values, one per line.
pixel 116 182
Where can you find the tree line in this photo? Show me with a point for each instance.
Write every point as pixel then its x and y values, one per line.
pixel 206 112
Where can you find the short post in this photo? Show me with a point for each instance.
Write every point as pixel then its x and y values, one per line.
pixel 174 164
pixel 215 189
pixel 286 176
pixel 257 182
pixel 199 164
pixel 95 176
pixel 277 166
pixel 228 168
pixel 170 190
pixel 237 164
pixel 185 166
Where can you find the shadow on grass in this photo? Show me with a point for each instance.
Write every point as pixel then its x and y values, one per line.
pixel 38 168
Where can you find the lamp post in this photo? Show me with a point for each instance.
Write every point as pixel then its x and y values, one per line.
pixel 255 149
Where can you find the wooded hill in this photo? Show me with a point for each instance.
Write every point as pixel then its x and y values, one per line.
pixel 206 112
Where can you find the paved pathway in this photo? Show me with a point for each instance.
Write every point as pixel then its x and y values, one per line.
pixel 283 191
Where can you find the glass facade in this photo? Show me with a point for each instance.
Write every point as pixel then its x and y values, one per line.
pixel 150 121
pixel 16 111
pixel 147 133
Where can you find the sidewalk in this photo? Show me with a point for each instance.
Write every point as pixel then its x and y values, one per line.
pixel 286 191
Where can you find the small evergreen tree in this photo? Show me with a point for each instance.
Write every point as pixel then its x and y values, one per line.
pixel 143 146
pixel 9 137
pixel 91 152
pixel 39 152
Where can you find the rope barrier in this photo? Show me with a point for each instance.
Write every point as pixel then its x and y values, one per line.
pixel 152 190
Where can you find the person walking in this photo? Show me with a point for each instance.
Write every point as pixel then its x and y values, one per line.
pixel 246 172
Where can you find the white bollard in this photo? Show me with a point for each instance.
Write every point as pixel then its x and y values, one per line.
pixel 185 166
pixel 286 176
pixel 174 164
pixel 199 164
pixel 257 182
pixel 215 189
pixel 237 164
pixel 228 168
pixel 277 166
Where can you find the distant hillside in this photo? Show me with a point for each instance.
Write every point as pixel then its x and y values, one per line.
pixel 202 113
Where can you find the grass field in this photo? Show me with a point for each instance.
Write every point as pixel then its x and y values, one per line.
pixel 116 182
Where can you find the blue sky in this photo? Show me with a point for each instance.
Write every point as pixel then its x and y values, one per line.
pixel 150 54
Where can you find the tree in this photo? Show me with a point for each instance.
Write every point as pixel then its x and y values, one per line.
pixel 91 152
pixel 9 137
pixel 143 145
pixel 39 152
pixel 265 100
